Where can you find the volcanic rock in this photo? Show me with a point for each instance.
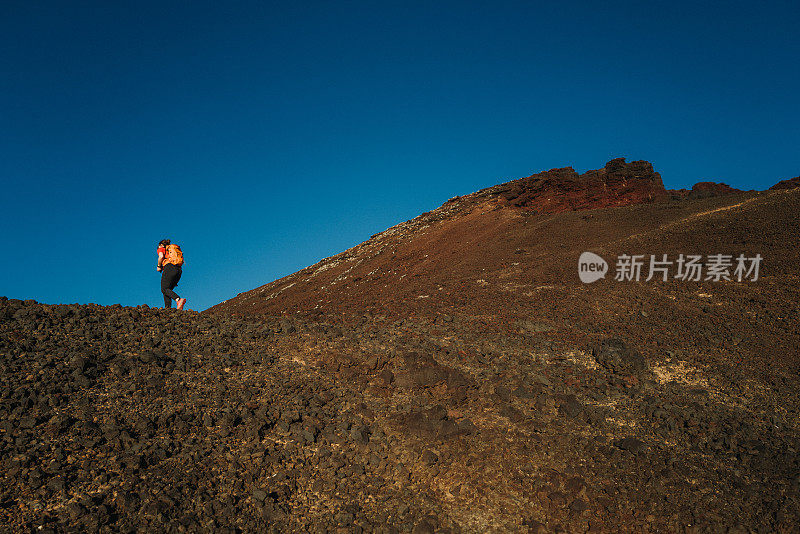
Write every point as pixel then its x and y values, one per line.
pixel 617 184
pixel 791 183
pixel 704 190
pixel 617 356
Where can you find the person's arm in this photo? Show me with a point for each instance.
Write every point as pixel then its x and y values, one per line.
pixel 162 252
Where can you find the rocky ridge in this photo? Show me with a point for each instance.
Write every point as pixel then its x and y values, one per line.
pixel 617 184
pixel 787 184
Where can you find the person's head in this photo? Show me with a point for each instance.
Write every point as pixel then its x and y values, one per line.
pixel 163 242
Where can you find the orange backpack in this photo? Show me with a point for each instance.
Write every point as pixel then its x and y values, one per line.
pixel 174 255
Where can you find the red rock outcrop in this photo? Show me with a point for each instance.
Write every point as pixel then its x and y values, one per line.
pixel 617 184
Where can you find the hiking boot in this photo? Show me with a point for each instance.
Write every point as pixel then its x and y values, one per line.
pixel 181 303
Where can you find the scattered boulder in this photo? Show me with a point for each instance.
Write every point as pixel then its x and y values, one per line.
pixel 633 445
pixel 420 370
pixel 617 356
pixel 433 423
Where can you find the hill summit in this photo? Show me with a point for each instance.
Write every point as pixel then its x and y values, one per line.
pixel 617 184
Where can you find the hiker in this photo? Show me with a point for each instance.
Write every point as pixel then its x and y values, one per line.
pixel 170 260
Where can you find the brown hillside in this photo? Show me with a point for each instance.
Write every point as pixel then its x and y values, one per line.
pixel 503 256
pixel 525 400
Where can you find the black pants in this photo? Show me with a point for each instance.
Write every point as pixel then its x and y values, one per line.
pixel 170 274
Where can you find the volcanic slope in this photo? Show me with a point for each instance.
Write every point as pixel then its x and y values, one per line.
pixel 496 264
pixel 451 374
pixel 650 405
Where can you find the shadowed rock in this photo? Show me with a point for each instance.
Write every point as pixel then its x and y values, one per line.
pixel 618 357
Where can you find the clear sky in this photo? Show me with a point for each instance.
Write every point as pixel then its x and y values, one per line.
pixel 264 136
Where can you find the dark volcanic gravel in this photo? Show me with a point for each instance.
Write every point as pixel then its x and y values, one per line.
pixel 148 420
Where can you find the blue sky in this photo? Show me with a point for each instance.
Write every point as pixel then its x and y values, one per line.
pixel 264 136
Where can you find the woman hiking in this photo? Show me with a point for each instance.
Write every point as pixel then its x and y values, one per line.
pixel 170 260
